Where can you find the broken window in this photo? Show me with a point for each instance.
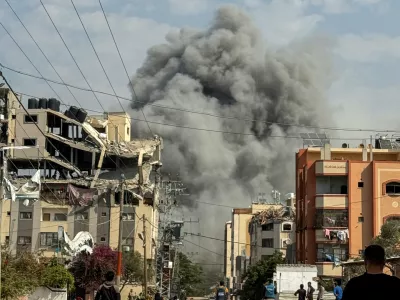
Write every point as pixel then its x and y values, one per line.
pixel 287 227
pixel 30 119
pixel 60 217
pixel 29 142
pixel 81 216
pixel 267 227
pixel 25 215
pixel 24 240
pixel 128 217
pixel 49 239
pixel 267 243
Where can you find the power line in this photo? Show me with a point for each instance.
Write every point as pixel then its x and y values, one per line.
pixel 76 63
pixel 204 113
pixel 123 64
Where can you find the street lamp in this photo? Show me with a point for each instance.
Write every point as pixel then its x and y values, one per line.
pixel 4 175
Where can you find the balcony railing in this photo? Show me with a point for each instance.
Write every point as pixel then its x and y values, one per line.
pixel 331 218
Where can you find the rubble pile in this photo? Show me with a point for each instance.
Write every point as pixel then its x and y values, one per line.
pixel 132 148
pixel 283 213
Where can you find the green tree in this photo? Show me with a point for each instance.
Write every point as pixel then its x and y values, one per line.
pixel 133 269
pixel 56 276
pixel 20 274
pixel 257 275
pixel 189 275
pixel 389 239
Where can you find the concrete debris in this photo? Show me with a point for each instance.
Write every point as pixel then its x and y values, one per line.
pixel 283 213
pixel 133 148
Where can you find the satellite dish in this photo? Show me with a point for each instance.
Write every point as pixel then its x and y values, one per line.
pixel 288 241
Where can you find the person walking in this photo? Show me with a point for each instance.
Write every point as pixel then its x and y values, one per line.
pixel 310 291
pixel 337 291
pixel 222 292
pixel 321 291
pixel 108 290
pixel 373 284
pixel 269 290
pixel 131 295
pixel 301 293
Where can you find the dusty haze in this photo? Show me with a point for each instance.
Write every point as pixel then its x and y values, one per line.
pixel 229 70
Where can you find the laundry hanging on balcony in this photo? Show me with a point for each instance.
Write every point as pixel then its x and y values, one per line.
pixel 341 235
pixel 30 191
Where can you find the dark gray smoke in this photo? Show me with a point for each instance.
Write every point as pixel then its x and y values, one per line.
pixel 227 70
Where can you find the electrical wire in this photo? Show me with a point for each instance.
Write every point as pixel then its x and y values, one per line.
pixel 123 64
pixel 205 113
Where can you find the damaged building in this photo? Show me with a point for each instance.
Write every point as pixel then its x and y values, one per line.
pixel 87 165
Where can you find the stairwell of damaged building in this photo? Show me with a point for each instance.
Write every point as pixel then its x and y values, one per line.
pixel 81 159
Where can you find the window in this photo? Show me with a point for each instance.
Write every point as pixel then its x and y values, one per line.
pixel 46 217
pixel 332 253
pixel 30 119
pixel 127 131
pixel 331 185
pixel 393 188
pixel 267 227
pixel 128 241
pixel 360 219
pixel 360 184
pixel 9 213
pixel 128 217
pixel 24 240
pixel 29 142
pixel 104 214
pixel 7 241
pixel 81 216
pixel 49 239
pixel 331 218
pixel 25 215
pixel 102 239
pixel 60 217
pixel 267 243
pixel 287 227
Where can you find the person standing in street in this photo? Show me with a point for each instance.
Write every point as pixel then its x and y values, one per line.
pixel 108 290
pixel 321 291
pixel 269 290
pixel 337 291
pixel 222 292
pixel 373 284
pixel 310 291
pixel 301 293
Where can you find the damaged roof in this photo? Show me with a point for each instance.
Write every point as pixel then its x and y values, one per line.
pixel 274 213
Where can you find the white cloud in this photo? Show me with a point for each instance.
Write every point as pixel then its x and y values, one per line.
pixel 134 36
pixel 368 48
pixel 188 7
pixel 282 21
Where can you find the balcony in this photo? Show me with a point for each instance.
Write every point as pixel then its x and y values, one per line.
pixel 335 201
pixel 331 168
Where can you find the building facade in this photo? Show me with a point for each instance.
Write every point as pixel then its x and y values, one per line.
pixel 343 197
pixel 271 230
pixel 87 165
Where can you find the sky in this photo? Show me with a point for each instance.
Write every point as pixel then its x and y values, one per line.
pixel 364 35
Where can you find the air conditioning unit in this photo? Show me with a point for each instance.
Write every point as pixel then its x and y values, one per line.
pixel 126 248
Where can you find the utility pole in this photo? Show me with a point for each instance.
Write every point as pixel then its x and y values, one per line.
pixel 171 189
pixel 120 238
pixel 144 258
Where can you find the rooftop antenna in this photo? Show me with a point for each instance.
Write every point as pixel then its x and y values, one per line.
pixel 276 196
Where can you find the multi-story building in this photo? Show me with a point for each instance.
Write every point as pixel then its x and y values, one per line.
pixel 81 160
pixel 272 229
pixel 343 196
pixel 239 242
pixel 228 253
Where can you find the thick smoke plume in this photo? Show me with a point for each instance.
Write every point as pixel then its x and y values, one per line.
pixel 227 70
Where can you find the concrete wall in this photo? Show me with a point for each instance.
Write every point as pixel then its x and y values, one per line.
pixel 228 251
pixel 289 277
pixel 123 122
pixel 24 130
pixel 44 293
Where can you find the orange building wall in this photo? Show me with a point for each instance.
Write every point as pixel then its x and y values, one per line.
pixel 360 205
pixel 369 201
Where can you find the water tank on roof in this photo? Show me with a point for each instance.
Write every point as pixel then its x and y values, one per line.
pixel 344 145
pixel 81 115
pixel 33 103
pixel 53 104
pixel 73 112
pixel 43 103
